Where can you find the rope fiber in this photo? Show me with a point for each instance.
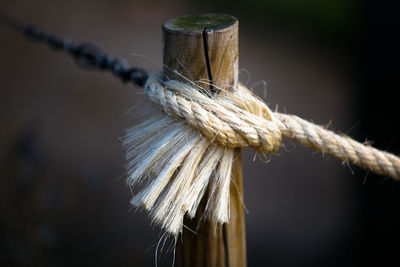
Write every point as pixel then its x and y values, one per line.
pixel 187 151
pixel 230 120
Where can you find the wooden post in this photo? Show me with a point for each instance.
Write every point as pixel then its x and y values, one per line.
pixel 205 48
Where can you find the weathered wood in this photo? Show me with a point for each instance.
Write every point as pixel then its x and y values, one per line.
pixel 190 42
pixel 204 48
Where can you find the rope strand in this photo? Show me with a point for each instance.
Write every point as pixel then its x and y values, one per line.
pixel 341 147
pixel 241 119
pixel 188 151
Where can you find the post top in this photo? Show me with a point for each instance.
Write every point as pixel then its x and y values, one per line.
pixel 197 23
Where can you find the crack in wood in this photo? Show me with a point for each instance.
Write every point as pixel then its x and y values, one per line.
pixel 207 59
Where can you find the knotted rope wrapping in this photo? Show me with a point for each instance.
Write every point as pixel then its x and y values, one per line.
pixel 189 148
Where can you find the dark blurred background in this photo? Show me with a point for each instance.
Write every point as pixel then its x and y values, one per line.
pixel 63 199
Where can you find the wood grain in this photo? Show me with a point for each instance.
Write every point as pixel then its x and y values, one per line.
pixel 204 48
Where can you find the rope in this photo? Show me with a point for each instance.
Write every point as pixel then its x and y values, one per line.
pixel 239 119
pixel 229 126
pixel 188 151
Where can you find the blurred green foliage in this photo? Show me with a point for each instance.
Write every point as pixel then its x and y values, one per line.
pixel 335 18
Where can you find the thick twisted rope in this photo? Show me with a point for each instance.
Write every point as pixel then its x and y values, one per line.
pixel 240 119
pixel 341 147
pixel 187 155
pixel 187 151
pixel 230 126
pixel 225 119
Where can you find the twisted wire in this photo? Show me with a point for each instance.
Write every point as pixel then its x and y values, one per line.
pixel 224 120
pixel 88 55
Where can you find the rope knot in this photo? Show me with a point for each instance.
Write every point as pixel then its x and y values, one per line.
pixel 234 119
pixel 185 165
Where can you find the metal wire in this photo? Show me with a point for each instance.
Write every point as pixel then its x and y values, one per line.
pixel 88 55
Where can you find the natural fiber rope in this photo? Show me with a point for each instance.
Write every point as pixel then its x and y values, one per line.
pixel 240 119
pixel 188 156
